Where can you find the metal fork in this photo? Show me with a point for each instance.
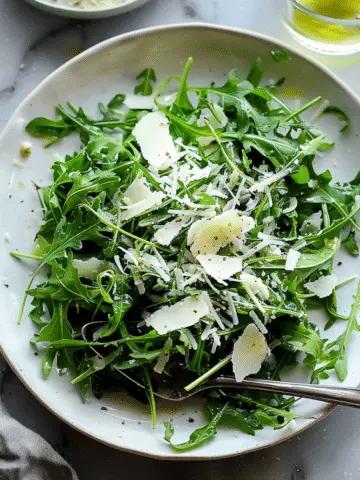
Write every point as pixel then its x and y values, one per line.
pixel 172 388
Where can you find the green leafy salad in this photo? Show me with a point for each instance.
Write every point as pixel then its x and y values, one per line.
pixel 198 231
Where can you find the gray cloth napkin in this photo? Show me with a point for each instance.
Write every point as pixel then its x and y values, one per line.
pixel 24 455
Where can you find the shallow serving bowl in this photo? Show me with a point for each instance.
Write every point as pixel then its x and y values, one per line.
pixel 62 8
pixel 95 76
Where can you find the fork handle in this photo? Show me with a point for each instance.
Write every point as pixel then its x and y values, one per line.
pixel 333 394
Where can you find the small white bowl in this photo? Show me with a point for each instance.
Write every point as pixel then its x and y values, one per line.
pixel 61 7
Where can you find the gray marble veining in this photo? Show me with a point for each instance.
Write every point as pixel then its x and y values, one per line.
pixel 32 45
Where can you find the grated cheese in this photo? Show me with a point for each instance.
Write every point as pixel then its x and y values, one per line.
pixel 258 322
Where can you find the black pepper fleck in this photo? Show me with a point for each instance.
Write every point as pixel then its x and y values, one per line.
pixel 191 420
pixel 36 354
pixel 339 264
pixel 104 408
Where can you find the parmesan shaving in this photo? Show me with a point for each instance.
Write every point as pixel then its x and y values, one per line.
pixel 255 285
pixel 292 259
pixel 92 267
pixel 323 286
pixel 139 198
pixel 220 267
pixel 258 322
pixel 156 144
pixel 182 314
pixel 250 350
pixel 208 236
pixel 166 234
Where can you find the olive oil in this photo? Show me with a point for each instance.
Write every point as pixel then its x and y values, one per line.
pixel 326 26
pixel 340 9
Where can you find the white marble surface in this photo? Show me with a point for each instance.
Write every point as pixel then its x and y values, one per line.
pixel 32 45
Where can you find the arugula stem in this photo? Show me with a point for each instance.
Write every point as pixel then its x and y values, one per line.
pixel 150 394
pixel 209 373
pixel 124 232
pixel 303 108
pixel 26 255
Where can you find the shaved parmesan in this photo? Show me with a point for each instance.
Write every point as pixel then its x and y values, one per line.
pixel 208 330
pixel 258 322
pixel 220 267
pixel 312 224
pixel 255 285
pixel 92 267
pixel 156 144
pixel 323 286
pixel 213 313
pixel 208 236
pixel 179 277
pixel 182 314
pixel 250 350
pixel 232 308
pixel 292 206
pixel 260 186
pixel 130 255
pixel 205 141
pixel 136 191
pixel 153 262
pixel 292 259
pixel 139 198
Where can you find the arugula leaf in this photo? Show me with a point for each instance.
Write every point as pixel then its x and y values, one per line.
pixel 58 328
pixel 199 437
pixel 335 354
pixel 84 185
pixel 351 246
pixel 280 55
pixel 50 130
pixel 303 339
pixel 117 101
pixel 255 73
pixel 64 285
pixel 236 417
pixel 145 88
pixel 341 115
pixel 121 304
pixel 301 176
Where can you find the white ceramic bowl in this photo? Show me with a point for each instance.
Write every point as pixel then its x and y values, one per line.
pixel 62 8
pixel 96 75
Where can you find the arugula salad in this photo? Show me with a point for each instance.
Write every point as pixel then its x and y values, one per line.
pixel 199 232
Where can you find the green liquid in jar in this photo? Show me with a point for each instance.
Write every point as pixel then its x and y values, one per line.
pixel 313 27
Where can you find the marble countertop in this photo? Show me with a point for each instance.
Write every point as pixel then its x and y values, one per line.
pixel 33 44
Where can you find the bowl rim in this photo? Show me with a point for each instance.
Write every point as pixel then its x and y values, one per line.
pixel 87 11
pixel 128 37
